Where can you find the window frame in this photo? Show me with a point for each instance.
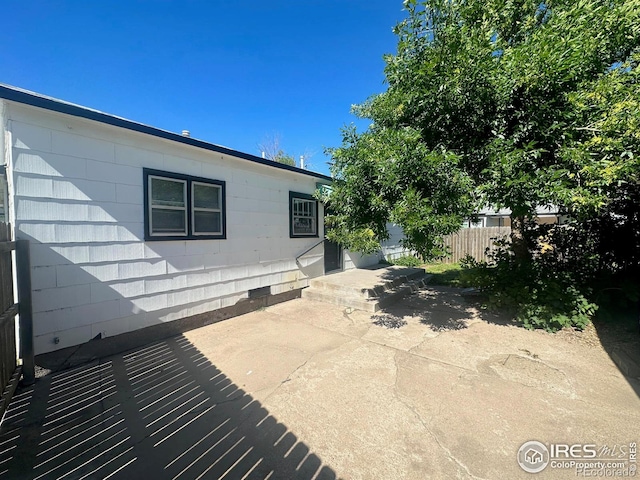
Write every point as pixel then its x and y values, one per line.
pixel 302 196
pixel 189 180
pixel 183 209
pixel 195 209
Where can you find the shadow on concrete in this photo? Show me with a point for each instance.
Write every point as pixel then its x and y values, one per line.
pixel 445 309
pixel 160 411
pixel 442 309
pixel 620 338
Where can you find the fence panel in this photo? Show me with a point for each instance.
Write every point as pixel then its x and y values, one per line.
pixel 473 241
pixel 8 311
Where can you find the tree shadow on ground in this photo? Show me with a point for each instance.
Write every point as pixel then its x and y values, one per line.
pixel 443 309
pixel 446 309
pixel 160 411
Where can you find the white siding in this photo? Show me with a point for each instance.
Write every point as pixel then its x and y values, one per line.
pixel 79 199
pixel 392 248
pixel 357 260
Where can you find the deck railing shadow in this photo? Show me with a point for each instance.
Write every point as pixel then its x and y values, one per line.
pixel 161 411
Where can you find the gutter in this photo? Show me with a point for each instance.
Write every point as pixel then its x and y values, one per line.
pixel 33 99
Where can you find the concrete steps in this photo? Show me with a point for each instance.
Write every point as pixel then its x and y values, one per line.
pixel 366 292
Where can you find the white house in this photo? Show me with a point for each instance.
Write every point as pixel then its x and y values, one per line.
pixel 492 217
pixel 392 249
pixel 132 226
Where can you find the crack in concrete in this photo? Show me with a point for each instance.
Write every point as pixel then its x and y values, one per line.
pixel 409 351
pixel 347 315
pixel 536 359
pixel 444 399
pixel 288 378
pixel 425 340
pixel 412 352
pixel 570 394
pixel 426 426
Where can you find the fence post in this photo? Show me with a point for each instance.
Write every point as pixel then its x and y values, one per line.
pixel 23 271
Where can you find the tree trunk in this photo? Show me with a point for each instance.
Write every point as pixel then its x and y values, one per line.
pixel 518 241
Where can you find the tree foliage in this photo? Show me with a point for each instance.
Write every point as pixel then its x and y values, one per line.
pixel 285 158
pixel 509 103
pixel 515 104
pixel 271 149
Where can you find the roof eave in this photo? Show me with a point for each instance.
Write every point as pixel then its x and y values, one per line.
pixel 48 103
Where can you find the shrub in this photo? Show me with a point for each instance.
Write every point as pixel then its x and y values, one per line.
pixel 407 261
pixel 538 296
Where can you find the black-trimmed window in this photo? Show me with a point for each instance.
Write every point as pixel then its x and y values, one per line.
pixel 303 215
pixel 179 207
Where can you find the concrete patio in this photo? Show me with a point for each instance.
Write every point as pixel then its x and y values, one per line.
pixel 309 390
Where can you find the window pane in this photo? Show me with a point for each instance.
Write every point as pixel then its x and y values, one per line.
pixel 303 217
pixel 207 222
pixel 167 192
pixel 304 208
pixel 302 225
pixel 167 221
pixel 205 196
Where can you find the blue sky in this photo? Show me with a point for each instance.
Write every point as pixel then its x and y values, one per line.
pixel 233 73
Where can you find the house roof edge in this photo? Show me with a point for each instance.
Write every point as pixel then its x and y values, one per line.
pixel 34 99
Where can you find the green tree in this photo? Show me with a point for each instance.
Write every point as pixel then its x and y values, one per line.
pixel 270 149
pixel 282 157
pixel 509 103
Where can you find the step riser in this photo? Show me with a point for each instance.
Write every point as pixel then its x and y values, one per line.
pixel 374 292
pixel 356 303
pixel 359 303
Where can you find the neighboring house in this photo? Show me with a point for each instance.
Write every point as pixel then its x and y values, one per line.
pixel 488 217
pixel 133 226
pixel 392 249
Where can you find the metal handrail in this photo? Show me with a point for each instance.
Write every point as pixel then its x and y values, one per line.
pixel 308 250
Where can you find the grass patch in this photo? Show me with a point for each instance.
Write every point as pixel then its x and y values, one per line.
pixel 405 261
pixel 447 274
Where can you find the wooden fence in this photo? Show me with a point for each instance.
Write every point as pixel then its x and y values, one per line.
pixel 10 371
pixel 473 241
pixel 8 310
